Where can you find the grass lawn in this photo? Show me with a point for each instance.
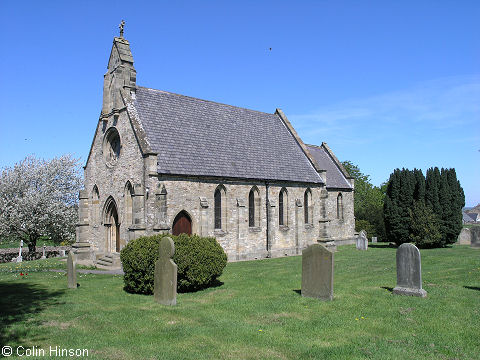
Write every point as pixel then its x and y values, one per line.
pixel 257 313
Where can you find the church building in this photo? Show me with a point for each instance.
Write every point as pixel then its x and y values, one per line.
pixel 164 162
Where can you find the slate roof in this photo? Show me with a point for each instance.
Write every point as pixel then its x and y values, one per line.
pixel 204 138
pixel 469 217
pixel 335 177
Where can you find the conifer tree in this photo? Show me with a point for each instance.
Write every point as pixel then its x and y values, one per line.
pixel 427 211
pixel 444 198
pixel 424 226
pixel 453 222
pixel 390 207
pixel 398 202
pixel 419 192
pixel 432 184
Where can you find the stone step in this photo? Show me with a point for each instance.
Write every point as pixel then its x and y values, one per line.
pixel 104 262
pixel 102 267
pixel 109 261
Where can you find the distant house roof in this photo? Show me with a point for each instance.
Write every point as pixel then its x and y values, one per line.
pixel 469 217
pixel 204 138
pixel 335 172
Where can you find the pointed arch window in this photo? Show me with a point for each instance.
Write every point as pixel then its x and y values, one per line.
pixel 95 206
pixel 340 206
pixel 283 207
pixel 220 208
pixel 308 206
pixel 254 207
pixel 128 196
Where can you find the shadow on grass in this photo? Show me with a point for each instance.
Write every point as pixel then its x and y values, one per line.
pixel 387 288
pixel 380 246
pixel 214 284
pixel 299 292
pixel 19 303
pixel 472 288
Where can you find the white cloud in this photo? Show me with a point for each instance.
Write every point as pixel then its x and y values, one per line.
pixel 439 105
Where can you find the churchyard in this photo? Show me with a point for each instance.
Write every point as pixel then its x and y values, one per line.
pixel 255 311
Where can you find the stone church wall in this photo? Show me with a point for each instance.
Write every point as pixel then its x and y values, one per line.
pixel 111 180
pixel 240 241
pixel 341 229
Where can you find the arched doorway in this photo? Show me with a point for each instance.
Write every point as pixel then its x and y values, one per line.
pixel 112 227
pixel 182 224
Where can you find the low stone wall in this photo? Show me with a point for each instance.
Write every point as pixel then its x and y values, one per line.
pixel 7 255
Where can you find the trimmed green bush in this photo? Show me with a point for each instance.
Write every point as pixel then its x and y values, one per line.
pixel 200 261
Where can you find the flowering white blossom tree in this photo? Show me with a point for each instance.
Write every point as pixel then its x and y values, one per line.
pixel 39 198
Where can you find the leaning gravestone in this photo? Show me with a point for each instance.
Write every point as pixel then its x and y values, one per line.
pixel 317 272
pixel 71 270
pixel 165 285
pixel 374 239
pixel 475 236
pixel 409 271
pixel 362 241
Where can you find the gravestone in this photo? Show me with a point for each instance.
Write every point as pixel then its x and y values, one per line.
pixel 362 241
pixel 409 271
pixel 19 257
pixel 374 239
pixel 317 272
pixel 43 256
pixel 72 270
pixel 475 237
pixel 465 236
pixel 62 253
pixel 165 285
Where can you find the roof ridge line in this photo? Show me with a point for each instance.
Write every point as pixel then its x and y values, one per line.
pixel 210 101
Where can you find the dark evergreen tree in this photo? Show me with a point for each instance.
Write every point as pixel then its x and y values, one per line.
pixel 444 198
pixel 419 192
pixel 427 211
pixel 432 185
pixel 424 226
pixel 453 218
pixel 398 200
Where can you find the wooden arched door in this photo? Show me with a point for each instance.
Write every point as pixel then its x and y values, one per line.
pixel 112 227
pixel 182 224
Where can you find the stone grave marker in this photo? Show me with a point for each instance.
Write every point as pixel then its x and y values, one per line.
pixel 409 271
pixel 374 239
pixel 362 241
pixel 72 270
pixel 19 257
pixel 62 253
pixel 475 237
pixel 43 256
pixel 317 272
pixel 165 283
pixel 464 238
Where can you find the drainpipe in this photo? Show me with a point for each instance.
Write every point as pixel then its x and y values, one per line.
pixel 267 205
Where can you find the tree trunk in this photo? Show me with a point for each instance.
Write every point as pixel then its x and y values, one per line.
pixel 32 244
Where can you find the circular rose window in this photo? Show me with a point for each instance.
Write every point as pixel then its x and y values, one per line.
pixel 111 146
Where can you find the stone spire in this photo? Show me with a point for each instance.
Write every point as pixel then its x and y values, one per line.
pixel 121 76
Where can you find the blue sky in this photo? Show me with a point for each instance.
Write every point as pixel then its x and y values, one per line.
pixel 386 84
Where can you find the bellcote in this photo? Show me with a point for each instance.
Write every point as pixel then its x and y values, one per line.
pixel 120 79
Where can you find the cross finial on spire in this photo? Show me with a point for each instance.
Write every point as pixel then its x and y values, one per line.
pixel 122 24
